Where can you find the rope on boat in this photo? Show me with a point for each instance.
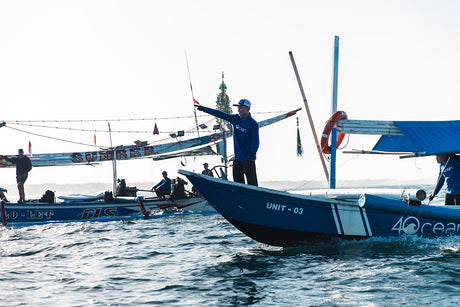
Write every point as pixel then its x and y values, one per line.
pixel 122 119
pixel 53 138
pixel 98 130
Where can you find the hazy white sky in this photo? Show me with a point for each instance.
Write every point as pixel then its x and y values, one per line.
pixel 125 59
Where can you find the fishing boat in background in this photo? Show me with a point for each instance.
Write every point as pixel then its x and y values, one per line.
pixel 283 219
pixel 111 205
pixel 101 207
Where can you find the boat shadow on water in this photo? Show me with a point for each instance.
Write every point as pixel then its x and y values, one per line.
pixel 369 248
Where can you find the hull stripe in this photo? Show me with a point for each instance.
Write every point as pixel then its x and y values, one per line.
pixel 367 226
pixel 338 224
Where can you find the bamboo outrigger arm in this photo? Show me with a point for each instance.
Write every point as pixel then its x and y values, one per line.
pixel 371 127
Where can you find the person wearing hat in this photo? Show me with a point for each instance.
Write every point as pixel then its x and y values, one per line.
pixel 163 187
pixel 23 167
pixel 245 140
pixel 206 170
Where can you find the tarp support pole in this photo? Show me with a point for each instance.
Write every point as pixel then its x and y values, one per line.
pixel 318 147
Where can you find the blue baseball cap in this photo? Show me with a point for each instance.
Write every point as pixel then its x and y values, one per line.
pixel 20 150
pixel 243 103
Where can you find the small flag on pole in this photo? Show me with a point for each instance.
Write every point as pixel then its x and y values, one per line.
pixel 155 130
pixel 196 102
pixel 95 140
pixel 30 148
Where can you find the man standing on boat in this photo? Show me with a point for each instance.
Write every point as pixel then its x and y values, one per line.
pixel 449 171
pixel 23 167
pixel 163 187
pixel 245 140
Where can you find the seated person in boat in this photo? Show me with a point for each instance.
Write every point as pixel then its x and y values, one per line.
pixel 206 170
pixel 163 187
pixel 449 172
pixel 2 195
pixel 121 189
pixel 179 189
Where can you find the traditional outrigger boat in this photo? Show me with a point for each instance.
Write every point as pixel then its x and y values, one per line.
pixel 101 207
pixel 107 207
pixel 286 219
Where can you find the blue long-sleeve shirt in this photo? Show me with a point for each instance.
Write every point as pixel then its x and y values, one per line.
pixel 245 133
pixel 449 172
pixel 164 183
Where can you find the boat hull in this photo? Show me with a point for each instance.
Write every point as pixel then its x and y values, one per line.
pixel 285 219
pixel 23 213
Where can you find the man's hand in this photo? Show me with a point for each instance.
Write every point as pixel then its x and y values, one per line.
pixel 431 197
pixel 251 158
pixel 200 108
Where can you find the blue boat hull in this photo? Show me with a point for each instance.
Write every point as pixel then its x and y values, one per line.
pixel 35 213
pixel 284 219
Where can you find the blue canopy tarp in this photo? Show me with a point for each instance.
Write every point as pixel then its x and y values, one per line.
pixel 423 137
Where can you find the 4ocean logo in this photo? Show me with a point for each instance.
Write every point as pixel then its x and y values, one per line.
pixel 412 225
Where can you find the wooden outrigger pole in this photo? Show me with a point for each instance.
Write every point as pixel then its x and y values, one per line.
pixel 318 147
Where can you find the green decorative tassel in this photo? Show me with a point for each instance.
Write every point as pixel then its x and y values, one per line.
pixel 299 143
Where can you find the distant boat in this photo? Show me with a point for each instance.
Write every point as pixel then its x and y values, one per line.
pixel 198 146
pixel 105 207
pixel 102 207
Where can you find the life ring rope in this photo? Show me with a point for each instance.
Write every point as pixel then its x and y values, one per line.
pixel 325 148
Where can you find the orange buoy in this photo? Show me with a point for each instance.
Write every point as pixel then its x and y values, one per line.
pixel 325 148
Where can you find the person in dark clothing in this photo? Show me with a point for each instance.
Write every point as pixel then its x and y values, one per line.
pixel 206 170
pixel 245 140
pixel 23 167
pixel 179 189
pixel 122 190
pixel 2 195
pixel 449 172
pixel 163 187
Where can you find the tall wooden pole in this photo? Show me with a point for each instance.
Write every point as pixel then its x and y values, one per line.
pixel 318 147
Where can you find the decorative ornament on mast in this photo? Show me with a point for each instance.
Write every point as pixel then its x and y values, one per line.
pixel 223 101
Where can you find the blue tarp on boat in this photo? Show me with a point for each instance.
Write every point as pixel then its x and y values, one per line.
pixel 423 137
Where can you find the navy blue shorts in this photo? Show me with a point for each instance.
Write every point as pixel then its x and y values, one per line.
pixel 21 178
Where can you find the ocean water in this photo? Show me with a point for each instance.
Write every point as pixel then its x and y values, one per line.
pixel 202 260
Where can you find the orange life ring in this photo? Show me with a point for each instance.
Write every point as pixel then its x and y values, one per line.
pixel 325 148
